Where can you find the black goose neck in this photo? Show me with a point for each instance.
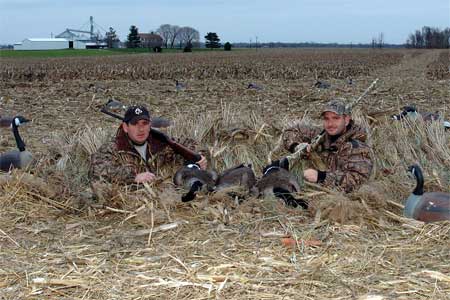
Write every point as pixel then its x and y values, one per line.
pixel 418 191
pixel 19 142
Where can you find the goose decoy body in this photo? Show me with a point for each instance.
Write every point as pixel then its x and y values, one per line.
pixel 322 84
pixel 6 121
pixel 426 207
pixel 411 112
pixel 179 85
pixel 20 158
pixel 282 184
pixel 192 178
pixel 114 105
pixel 241 175
pixel 161 122
pixel 254 86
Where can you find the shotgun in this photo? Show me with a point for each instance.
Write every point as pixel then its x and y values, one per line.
pixel 160 136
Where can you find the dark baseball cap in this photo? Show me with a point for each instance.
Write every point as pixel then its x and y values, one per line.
pixel 136 113
pixel 337 106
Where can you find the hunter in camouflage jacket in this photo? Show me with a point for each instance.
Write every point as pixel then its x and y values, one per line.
pixel 118 162
pixel 347 157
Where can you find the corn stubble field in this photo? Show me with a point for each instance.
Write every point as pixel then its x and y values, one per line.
pixel 146 244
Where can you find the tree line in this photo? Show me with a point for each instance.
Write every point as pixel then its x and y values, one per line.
pixel 175 36
pixel 429 38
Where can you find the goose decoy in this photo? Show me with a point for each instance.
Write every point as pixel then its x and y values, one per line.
pixel 114 105
pixel 322 84
pixel 179 85
pixel 254 86
pixel 161 122
pixel 16 158
pixel 411 112
pixel 282 184
pixel 426 207
pixel 241 175
pixel 192 178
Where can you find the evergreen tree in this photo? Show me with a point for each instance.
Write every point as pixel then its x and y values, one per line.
pixel 111 38
pixel 212 40
pixel 134 40
pixel 227 46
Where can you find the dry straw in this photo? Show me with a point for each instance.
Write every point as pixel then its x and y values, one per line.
pixel 56 244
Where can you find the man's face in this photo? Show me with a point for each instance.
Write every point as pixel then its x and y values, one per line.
pixel 138 131
pixel 335 124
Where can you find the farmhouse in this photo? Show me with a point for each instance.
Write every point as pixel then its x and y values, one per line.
pixel 150 40
pixel 48 44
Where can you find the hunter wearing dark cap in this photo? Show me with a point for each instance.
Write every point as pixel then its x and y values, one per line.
pixel 345 156
pixel 135 155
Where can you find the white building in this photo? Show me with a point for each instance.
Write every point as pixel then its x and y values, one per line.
pixel 48 44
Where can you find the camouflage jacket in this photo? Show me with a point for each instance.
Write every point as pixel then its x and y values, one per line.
pixel 118 162
pixel 347 158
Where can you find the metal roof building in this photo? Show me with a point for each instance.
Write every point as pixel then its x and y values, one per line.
pixel 48 44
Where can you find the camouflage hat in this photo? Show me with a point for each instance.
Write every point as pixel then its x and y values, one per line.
pixel 336 106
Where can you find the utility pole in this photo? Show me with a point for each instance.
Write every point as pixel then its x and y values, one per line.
pixel 256 43
pixel 250 43
pixel 91 19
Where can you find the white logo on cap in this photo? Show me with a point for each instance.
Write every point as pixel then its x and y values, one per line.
pixel 138 111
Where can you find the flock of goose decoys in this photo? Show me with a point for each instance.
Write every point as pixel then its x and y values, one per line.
pixel 276 180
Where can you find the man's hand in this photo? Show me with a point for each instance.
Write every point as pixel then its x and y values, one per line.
pixel 202 163
pixel 311 175
pixel 302 146
pixel 144 177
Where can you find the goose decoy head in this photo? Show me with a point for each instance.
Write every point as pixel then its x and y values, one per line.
pixel 19 120
pixel 193 178
pixel 447 125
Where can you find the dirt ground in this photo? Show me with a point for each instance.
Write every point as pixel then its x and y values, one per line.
pixel 51 247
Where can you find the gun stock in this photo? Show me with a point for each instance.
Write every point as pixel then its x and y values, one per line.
pixel 177 147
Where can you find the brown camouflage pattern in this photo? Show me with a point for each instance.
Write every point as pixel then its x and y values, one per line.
pixel 348 161
pixel 117 162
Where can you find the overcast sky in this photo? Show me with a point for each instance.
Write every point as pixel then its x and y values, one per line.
pixel 341 21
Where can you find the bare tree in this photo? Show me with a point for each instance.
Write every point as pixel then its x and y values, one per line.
pixel 174 31
pixel 381 40
pixel 430 37
pixel 188 36
pixel 165 32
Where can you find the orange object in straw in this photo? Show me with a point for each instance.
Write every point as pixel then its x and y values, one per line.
pixel 290 242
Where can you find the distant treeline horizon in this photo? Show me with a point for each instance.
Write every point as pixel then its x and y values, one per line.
pixel 288 45
pixel 312 45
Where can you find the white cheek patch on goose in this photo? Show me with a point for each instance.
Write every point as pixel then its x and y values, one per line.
pixel 193 166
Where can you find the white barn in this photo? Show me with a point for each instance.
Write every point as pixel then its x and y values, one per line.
pixel 48 44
